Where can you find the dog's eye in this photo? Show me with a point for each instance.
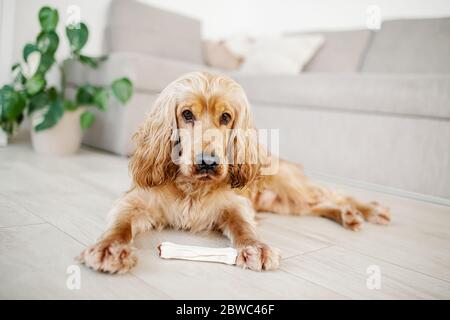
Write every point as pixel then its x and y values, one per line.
pixel 225 118
pixel 188 115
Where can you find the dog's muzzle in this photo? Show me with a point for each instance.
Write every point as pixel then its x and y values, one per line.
pixel 206 163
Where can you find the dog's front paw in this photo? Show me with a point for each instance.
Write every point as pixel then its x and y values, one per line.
pixel 109 256
pixel 258 257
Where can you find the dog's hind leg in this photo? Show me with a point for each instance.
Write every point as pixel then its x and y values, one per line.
pixel 373 212
pixel 290 192
pixel 284 192
pixel 346 215
pixel 350 212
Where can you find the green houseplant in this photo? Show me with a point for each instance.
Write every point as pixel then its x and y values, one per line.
pixel 30 95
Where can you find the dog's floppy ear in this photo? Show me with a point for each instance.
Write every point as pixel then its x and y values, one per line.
pixel 245 165
pixel 151 164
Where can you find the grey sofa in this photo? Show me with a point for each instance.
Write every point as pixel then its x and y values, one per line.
pixel 370 106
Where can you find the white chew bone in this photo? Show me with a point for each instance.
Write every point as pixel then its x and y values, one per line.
pixel 168 250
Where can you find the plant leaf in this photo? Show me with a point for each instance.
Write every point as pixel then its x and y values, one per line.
pixel 87 118
pixel 5 87
pixel 122 89
pixel 20 78
pixel 18 74
pixel 35 84
pixel 15 66
pixel 42 100
pixel 6 126
pixel 69 105
pixel 85 95
pixel 51 117
pixel 52 94
pixel 38 102
pixel 48 18
pixel 29 48
pixel 47 42
pixel 47 60
pixel 91 61
pixel 101 98
pixel 12 103
pixel 78 36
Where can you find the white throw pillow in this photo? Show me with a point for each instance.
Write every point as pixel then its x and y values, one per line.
pixel 277 55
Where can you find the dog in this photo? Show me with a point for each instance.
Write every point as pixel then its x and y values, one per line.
pixel 218 185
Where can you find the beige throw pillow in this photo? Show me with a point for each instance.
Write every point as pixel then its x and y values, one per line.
pixel 217 55
pixel 275 55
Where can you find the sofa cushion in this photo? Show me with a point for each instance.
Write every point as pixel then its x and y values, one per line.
pixel 416 95
pixel 137 27
pixel 342 51
pixel 410 46
pixel 409 153
pixel 148 73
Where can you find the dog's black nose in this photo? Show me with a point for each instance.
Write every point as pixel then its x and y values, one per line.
pixel 206 162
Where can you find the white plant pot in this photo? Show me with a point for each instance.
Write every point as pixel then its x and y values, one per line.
pixel 62 139
pixel 3 138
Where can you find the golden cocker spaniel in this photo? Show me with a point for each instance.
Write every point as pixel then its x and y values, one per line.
pixel 199 166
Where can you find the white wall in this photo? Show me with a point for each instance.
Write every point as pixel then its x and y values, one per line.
pixel 229 17
pixel 23 27
pixel 7 8
pixel 94 12
pixel 221 18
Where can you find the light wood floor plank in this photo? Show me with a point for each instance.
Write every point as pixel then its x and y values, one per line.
pixel 417 239
pixel 200 280
pixel 61 204
pixel 346 272
pixel 34 262
pixel 13 213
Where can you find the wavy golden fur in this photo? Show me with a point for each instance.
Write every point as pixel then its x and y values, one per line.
pixel 172 188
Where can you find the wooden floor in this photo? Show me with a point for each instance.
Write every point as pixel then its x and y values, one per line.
pixel 51 208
